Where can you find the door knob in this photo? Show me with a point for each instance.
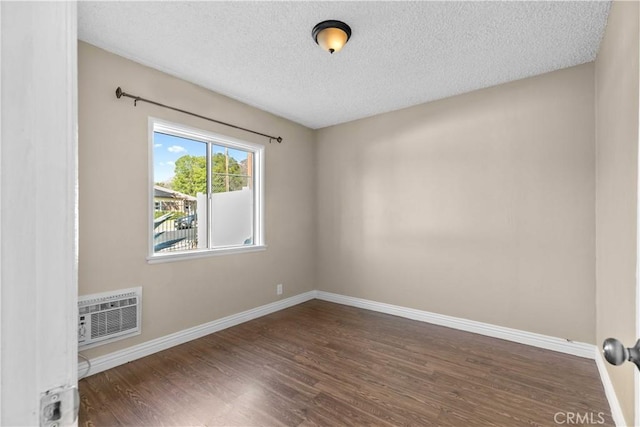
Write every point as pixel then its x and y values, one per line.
pixel 616 353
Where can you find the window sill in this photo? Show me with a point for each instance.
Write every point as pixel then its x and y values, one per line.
pixel 161 258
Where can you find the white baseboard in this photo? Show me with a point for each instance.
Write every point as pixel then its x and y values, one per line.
pixel 609 391
pixel 590 351
pixel 111 360
pixel 585 350
pixel 530 338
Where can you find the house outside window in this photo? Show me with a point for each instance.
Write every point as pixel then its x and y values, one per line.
pixel 207 195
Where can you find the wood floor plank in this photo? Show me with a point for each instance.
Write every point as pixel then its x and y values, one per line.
pixel 324 364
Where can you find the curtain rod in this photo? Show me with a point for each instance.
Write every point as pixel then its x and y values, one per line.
pixel 120 93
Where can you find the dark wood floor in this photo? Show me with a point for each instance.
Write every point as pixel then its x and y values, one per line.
pixel 320 363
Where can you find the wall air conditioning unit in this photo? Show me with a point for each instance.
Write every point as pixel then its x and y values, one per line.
pixel 109 316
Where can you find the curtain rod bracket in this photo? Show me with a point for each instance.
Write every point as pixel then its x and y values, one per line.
pixel 120 93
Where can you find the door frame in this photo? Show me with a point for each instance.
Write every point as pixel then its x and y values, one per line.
pixel 39 199
pixel 636 372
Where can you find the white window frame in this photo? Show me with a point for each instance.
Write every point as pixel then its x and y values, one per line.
pixel 258 150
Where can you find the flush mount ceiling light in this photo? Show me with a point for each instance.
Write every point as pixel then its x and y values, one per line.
pixel 331 35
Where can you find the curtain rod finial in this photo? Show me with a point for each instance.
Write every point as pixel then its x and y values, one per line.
pixel 119 92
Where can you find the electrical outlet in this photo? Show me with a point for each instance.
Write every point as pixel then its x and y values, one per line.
pixel 279 289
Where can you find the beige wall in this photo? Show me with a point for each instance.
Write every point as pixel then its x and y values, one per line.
pixel 616 189
pixel 479 206
pixel 113 151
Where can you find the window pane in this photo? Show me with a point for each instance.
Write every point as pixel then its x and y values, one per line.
pixel 179 192
pixel 204 191
pixel 232 196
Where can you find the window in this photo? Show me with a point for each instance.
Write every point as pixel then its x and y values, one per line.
pixel 207 193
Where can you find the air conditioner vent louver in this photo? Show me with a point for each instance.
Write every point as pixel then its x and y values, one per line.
pixel 109 316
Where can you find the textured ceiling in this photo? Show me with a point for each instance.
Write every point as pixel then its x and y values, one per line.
pixel 400 53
